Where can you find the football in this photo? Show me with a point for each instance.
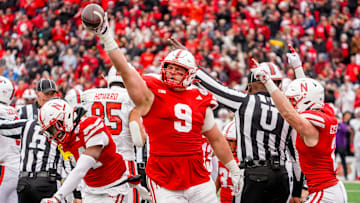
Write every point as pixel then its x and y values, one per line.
pixel 92 16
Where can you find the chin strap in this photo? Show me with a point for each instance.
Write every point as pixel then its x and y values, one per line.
pixel 80 112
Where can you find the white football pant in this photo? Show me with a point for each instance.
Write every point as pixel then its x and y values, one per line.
pixel 333 194
pixel 202 193
pixel 8 181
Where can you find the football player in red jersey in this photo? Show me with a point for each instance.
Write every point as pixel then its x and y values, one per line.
pixel 89 140
pixel 175 115
pixel 224 179
pixel 303 107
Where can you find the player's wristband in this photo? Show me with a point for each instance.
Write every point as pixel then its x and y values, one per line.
pixel 270 86
pixel 233 167
pixel 299 72
pixel 108 40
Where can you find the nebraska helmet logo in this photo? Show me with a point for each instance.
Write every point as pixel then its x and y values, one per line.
pixel 57 106
pixel 303 87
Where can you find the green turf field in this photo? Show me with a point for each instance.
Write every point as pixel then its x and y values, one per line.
pixel 353 192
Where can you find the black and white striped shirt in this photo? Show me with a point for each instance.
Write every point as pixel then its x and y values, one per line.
pixel 37 153
pixel 261 131
pixel 29 111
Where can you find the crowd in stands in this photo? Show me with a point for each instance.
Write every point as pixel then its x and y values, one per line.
pixel 46 39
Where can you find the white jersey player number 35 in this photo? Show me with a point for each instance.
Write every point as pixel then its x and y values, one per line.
pixel 183 112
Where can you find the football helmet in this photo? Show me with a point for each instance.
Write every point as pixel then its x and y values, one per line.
pixel 74 97
pixel 114 75
pixel 7 90
pixel 305 94
pixel 357 112
pixel 184 59
pixel 229 133
pixel 270 68
pixel 56 119
pixel 29 94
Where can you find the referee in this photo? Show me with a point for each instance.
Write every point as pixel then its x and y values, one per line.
pixel 263 137
pixel 40 162
pixel 45 90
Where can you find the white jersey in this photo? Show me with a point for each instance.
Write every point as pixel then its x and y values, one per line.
pixel 355 124
pixel 114 106
pixel 10 148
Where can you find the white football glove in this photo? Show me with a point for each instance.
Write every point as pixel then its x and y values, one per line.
pixel 293 58
pixel 49 200
pixel 101 29
pixel 260 74
pixel 237 176
pixel 103 32
pixel 238 182
pixel 144 193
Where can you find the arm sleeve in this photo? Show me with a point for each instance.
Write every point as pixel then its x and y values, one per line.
pixel 98 139
pixel 299 73
pixel 209 120
pixel 83 165
pixel 12 129
pixel 230 98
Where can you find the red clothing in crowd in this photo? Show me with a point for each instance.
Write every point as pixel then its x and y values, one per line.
pixel 352 70
pixel 146 59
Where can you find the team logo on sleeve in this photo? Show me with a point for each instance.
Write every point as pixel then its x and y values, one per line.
pixel 333 129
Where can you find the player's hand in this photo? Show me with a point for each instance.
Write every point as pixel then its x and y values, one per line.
pixel 77 201
pixel 144 193
pixel 260 74
pixel 49 200
pixel 174 44
pixel 293 58
pixel 102 29
pixel 254 63
pixel 294 200
pixel 237 181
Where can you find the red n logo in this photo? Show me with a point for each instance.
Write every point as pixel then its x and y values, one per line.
pixel 56 106
pixel 303 87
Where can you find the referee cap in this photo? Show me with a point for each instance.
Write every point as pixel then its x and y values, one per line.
pixel 46 85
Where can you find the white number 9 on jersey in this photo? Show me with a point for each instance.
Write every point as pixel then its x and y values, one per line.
pixel 184 113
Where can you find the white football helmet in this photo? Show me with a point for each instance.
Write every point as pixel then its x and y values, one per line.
pixel 229 131
pixel 114 75
pixel 29 94
pixel 74 97
pixel 305 94
pixel 7 90
pixel 270 68
pixel 182 58
pixel 357 112
pixel 56 118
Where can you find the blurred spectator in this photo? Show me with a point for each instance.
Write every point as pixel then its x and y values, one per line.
pixel 68 59
pixel 346 98
pixel 342 139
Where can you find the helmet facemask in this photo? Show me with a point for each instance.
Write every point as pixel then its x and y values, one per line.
pixel 56 120
pixel 187 77
pixel 180 58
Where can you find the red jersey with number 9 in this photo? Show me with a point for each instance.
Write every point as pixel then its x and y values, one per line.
pixel 110 166
pixel 174 126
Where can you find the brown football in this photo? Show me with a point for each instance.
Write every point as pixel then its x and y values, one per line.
pixel 92 16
